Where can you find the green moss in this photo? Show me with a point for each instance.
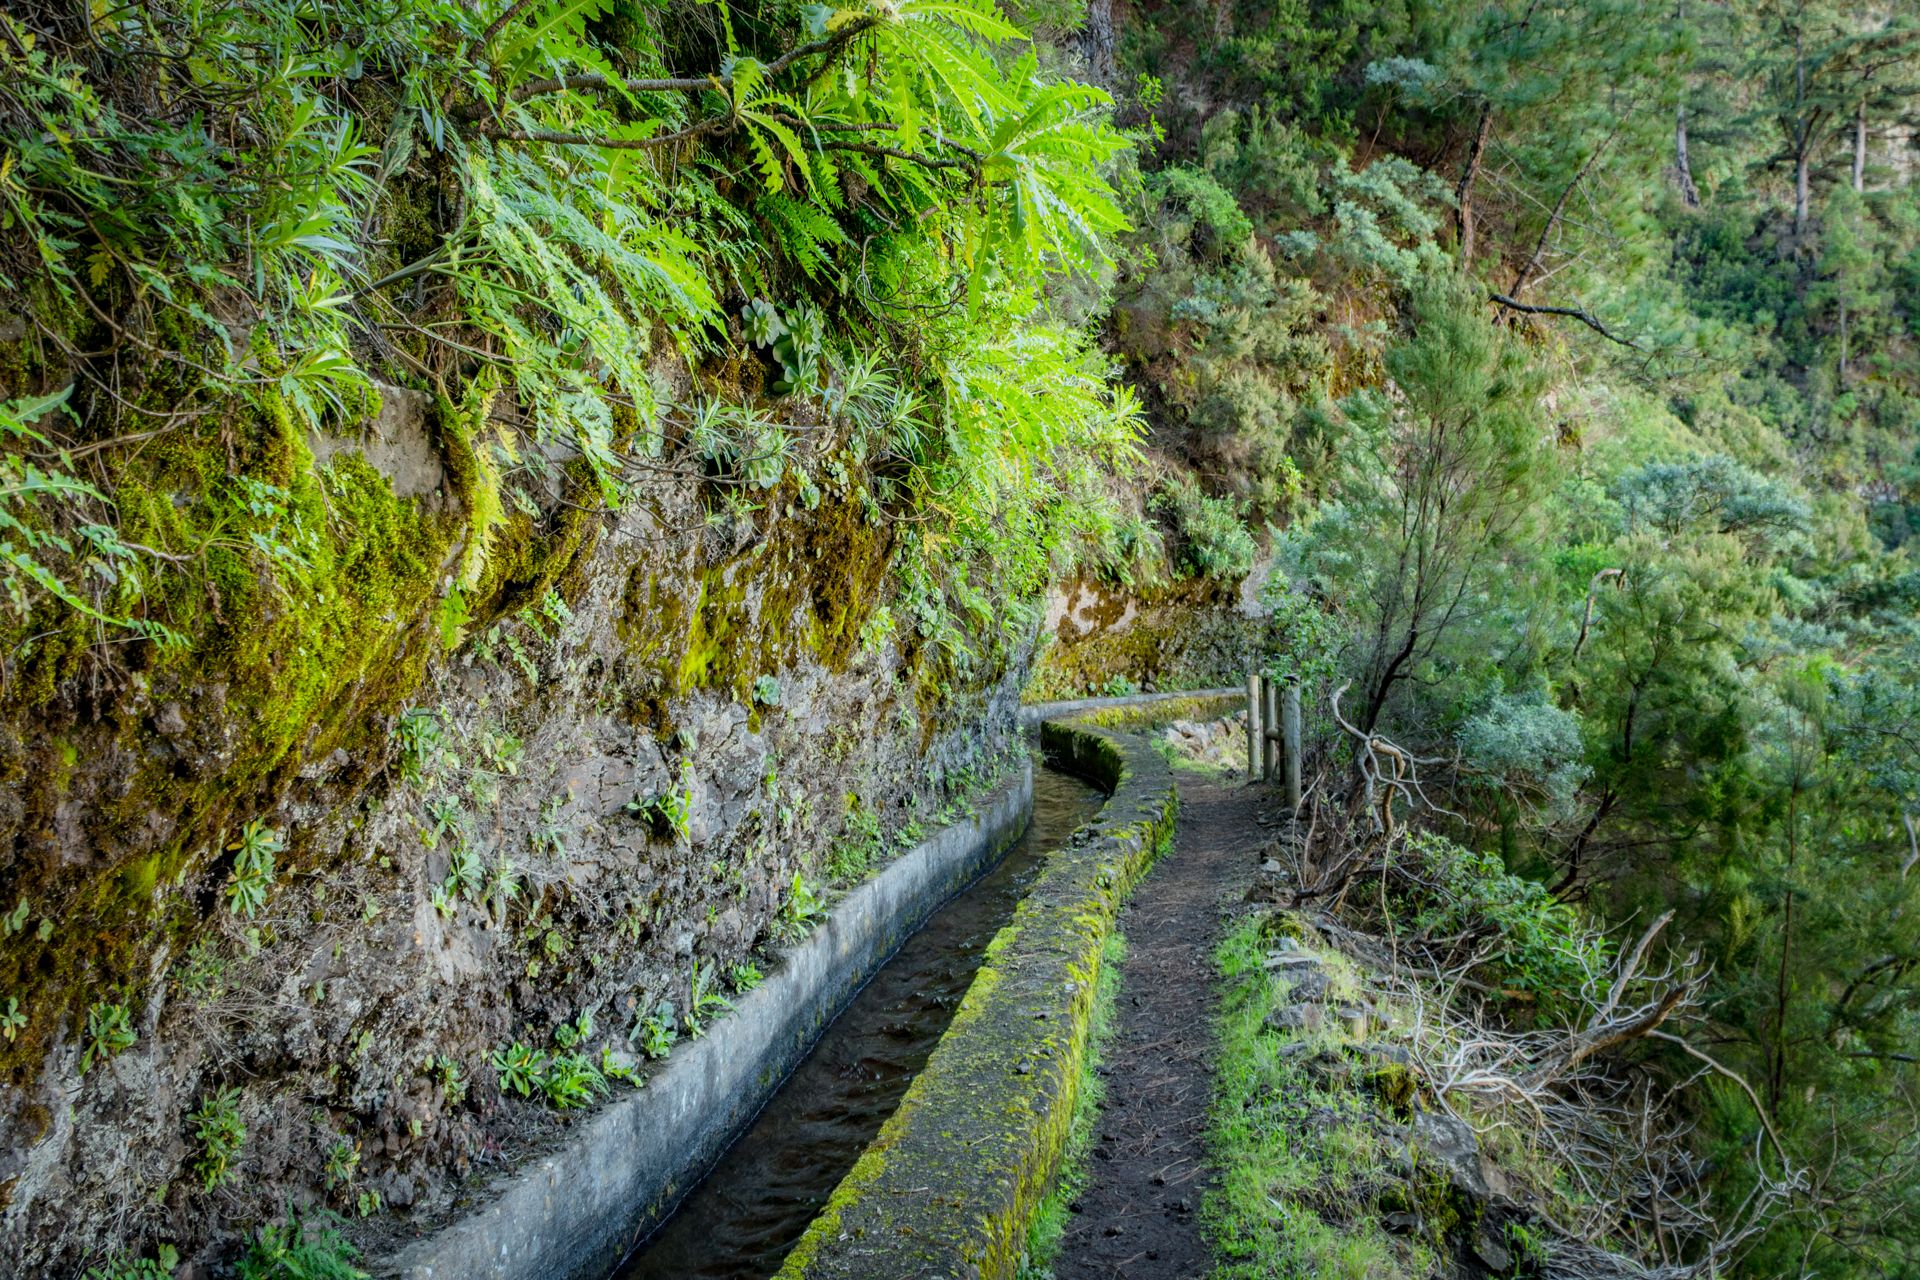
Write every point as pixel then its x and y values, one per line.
pixel 1395 1084
pixel 803 590
pixel 304 657
pixel 988 1117
pixel 1184 635
pixel 1045 1231
pixel 474 478
pixel 1300 1197
pixel 1276 925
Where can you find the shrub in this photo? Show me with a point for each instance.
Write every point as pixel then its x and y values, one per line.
pixel 1538 944
pixel 1219 227
pixel 1518 743
pixel 1214 541
pixel 307 1246
pixel 220 1133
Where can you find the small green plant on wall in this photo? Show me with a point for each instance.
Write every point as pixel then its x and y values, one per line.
pixel 109 1033
pixel 307 1246
pixel 161 1266
pixel 704 1000
pixel 519 1068
pixel 655 1033
pixel 343 1164
pixel 444 1070
pixel 669 812
pixel 218 1129
pixel 253 855
pixel 802 910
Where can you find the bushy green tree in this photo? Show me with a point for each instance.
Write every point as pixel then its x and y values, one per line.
pixel 1446 462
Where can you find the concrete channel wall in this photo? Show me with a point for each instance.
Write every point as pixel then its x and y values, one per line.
pixel 949 1186
pixel 574 1212
pixel 1035 713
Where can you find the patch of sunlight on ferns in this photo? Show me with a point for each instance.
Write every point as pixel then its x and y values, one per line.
pixel 905 154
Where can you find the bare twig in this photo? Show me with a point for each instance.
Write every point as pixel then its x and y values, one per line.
pixel 1584 317
pixel 1586 618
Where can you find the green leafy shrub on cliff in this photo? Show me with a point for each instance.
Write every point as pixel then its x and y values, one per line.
pixel 31 527
pixel 308 1245
pixel 1213 541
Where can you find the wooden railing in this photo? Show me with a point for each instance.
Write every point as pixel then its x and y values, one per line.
pixel 1273 732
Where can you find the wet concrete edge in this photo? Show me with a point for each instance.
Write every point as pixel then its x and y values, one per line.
pixel 575 1211
pixel 951 1182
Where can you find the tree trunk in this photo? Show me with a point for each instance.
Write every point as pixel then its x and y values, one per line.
pixel 1096 42
pixel 1802 192
pixel 1777 1064
pixel 1682 164
pixel 1860 148
pixel 1802 142
pixel 1463 194
pixel 1843 343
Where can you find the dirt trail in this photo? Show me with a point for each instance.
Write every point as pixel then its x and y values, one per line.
pixel 1138 1218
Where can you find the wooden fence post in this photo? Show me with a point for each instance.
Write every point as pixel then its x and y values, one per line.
pixel 1290 740
pixel 1253 726
pixel 1270 768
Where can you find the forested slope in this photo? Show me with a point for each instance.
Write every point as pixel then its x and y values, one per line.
pixel 1623 539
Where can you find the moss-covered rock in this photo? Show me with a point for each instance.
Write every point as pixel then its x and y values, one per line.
pixel 1191 634
pixel 441 701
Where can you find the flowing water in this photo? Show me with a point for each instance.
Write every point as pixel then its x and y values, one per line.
pixel 752 1208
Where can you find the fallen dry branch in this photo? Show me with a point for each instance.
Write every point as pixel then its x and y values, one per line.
pixel 1584 317
pixel 1614 1022
pixel 1630 1171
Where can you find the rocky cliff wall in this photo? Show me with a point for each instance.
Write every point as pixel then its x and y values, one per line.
pixel 1192 634
pixel 495 759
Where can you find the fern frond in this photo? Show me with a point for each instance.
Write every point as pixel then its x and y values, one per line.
pixel 803 232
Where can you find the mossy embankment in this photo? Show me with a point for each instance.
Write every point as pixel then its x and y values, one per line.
pixel 1191 633
pixel 438 676
pixel 1336 1156
pixel 953 1181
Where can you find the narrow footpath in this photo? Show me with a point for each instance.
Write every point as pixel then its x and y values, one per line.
pixel 1139 1216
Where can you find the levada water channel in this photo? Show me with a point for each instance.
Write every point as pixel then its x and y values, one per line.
pixel 756 1202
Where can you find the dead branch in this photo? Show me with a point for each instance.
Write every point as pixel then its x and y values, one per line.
pixel 1584 317
pixel 1593 593
pixel 1612 1024
pixel 1387 771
